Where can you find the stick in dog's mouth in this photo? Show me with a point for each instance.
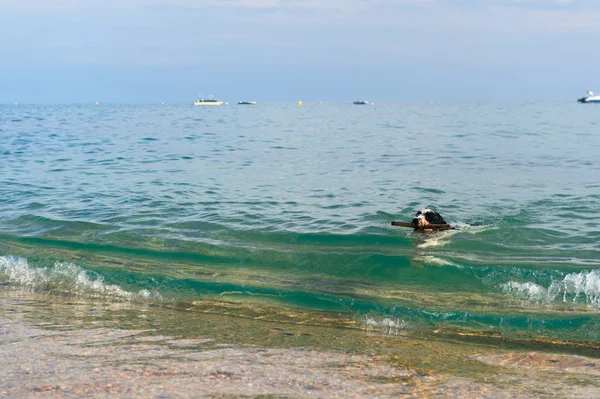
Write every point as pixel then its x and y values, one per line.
pixel 426 220
pixel 429 227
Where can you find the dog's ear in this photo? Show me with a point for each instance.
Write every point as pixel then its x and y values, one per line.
pixel 435 218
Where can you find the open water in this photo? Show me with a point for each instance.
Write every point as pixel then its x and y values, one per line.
pixel 280 212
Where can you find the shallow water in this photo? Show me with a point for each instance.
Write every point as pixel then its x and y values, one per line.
pixel 282 213
pixel 73 347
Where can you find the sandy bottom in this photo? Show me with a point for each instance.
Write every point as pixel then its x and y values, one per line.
pixel 75 348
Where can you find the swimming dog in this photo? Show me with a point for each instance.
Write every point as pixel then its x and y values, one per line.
pixel 429 220
pixel 426 220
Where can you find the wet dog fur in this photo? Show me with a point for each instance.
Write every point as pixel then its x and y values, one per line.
pixel 425 217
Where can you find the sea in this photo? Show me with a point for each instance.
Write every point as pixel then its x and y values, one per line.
pixel 269 226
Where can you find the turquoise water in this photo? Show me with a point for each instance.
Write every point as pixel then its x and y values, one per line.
pixel 281 212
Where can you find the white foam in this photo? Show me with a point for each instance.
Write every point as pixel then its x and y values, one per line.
pixel 63 276
pixel 468 228
pixel 583 287
pixel 530 291
pixel 432 242
pixel 438 239
pixel 386 325
pixel 435 261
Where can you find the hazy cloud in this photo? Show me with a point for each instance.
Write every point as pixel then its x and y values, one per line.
pixel 366 40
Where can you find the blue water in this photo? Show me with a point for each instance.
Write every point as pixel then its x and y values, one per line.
pixel 279 209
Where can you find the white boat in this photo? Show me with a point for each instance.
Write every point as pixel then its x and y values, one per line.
pixel 209 101
pixel 590 98
pixel 246 102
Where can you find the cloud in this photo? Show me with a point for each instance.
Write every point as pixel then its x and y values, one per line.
pixel 130 33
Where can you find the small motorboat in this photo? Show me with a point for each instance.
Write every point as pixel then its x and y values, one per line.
pixel 361 103
pixel 209 101
pixel 590 98
pixel 246 102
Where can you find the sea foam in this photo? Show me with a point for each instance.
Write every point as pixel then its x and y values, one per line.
pixel 386 325
pixel 583 287
pixel 65 277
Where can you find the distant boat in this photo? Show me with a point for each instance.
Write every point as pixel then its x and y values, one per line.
pixel 209 101
pixel 590 98
pixel 247 103
pixel 361 103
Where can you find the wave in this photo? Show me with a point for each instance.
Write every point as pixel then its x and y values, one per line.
pixel 64 277
pixel 573 288
pixel 346 304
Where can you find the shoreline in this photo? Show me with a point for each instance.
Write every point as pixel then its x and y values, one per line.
pixel 65 347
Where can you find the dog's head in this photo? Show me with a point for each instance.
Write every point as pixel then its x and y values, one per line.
pixel 425 217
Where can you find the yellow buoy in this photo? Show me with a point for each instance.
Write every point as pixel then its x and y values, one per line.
pixel 97 103
pixel 299 102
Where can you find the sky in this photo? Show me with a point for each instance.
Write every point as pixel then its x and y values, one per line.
pixel 67 51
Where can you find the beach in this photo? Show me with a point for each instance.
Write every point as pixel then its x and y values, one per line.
pixel 77 347
pixel 180 251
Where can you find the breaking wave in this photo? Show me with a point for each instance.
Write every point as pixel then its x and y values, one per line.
pixel 64 277
pixel 575 288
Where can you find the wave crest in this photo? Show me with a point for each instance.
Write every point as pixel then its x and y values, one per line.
pixel 64 276
pixel 574 288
